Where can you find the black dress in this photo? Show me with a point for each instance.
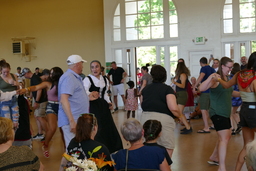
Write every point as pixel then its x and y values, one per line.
pixel 107 131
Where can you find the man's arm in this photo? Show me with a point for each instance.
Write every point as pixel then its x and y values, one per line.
pixel 66 107
pixel 124 76
pixel 108 76
pixel 38 96
pixel 199 79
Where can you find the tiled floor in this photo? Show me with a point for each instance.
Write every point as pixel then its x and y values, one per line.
pixel 191 152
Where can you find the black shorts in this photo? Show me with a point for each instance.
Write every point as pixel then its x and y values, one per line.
pixel 248 114
pixel 220 122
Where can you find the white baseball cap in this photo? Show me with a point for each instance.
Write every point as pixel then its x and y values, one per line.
pixel 73 59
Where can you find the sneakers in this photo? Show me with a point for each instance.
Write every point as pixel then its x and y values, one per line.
pixel 38 136
pixel 233 132
pixel 42 140
pixel 187 131
pixel 239 129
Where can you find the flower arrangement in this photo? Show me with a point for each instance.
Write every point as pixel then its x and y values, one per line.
pixel 91 164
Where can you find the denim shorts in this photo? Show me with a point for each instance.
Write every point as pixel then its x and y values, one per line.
pixel 52 108
pixel 10 108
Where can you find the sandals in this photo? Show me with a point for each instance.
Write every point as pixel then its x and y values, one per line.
pixel 213 163
pixel 202 131
pixel 45 152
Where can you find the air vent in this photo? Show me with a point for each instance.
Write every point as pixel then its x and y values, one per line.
pixel 18 47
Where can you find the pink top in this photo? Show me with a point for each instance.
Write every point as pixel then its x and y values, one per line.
pixel 51 94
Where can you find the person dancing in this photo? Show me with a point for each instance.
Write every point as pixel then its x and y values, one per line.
pixel 220 110
pixel 246 80
pixel 51 85
pixel 96 86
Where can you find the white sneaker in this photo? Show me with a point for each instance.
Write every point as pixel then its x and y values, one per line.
pixel 38 136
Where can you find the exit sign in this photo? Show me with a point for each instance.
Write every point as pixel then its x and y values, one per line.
pixel 200 40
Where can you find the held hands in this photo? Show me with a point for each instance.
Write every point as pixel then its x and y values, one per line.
pixel 94 95
pixel 215 76
pixel 21 91
pixel 110 106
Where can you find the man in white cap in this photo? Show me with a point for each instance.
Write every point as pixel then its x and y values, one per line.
pixel 72 97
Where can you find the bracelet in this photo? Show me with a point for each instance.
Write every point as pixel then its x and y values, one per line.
pixel 27 89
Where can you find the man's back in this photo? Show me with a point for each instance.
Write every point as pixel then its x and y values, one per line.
pixel 207 70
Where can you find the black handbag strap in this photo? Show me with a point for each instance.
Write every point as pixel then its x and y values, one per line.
pixel 19 164
pixel 126 160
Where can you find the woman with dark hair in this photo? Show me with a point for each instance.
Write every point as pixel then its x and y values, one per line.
pixel 51 86
pixel 236 102
pixel 138 156
pixel 220 110
pixel 181 60
pixel 96 85
pixel 152 131
pixel 146 77
pixel 181 76
pixel 159 103
pixel 246 81
pixel 8 83
pixel 83 144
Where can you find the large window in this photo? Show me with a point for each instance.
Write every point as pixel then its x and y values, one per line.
pixel 145 19
pixel 246 16
pixel 228 17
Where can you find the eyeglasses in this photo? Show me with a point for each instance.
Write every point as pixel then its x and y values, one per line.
pixel 228 67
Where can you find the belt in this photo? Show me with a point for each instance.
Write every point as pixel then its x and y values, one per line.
pixel 53 102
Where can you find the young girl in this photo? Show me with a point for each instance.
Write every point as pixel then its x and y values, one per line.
pixel 131 103
pixel 152 131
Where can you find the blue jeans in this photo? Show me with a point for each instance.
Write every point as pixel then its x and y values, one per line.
pixel 9 109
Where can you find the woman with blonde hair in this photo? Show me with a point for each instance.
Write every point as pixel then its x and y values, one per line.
pixel 15 157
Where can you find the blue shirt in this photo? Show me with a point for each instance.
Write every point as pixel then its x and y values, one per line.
pixel 207 70
pixel 71 83
pixel 146 157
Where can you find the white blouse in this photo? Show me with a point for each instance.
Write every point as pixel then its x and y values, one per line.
pixel 98 83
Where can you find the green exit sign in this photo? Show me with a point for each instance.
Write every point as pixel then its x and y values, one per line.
pixel 199 40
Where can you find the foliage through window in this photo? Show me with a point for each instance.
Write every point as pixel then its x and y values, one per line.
pixel 144 19
pixel 246 17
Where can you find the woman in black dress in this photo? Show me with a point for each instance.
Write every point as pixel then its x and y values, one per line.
pixel 97 85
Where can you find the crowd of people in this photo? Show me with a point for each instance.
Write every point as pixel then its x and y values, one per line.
pixel 81 107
